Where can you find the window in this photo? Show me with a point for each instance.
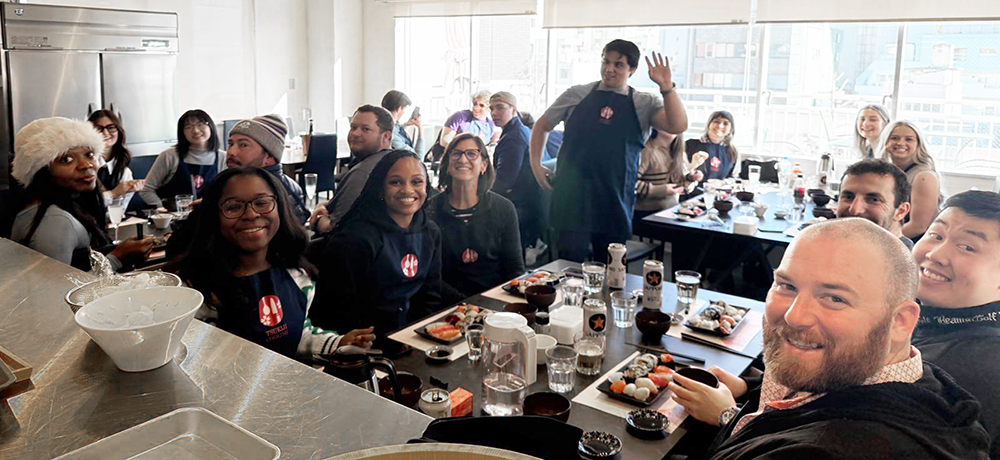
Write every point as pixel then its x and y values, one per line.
pixel 943 94
pixel 817 76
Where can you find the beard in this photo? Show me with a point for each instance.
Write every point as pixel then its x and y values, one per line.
pixel 842 365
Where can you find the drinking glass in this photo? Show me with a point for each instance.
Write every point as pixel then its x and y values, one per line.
pixel 311 180
pixel 573 292
pixel 116 211
pixel 709 199
pixel 687 286
pixel 753 174
pixel 561 368
pixel 184 204
pixel 593 275
pixel 590 353
pixel 474 335
pixel 623 308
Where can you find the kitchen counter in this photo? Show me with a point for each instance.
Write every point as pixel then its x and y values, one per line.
pixel 78 396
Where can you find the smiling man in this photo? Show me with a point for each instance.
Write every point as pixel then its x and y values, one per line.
pixel 606 125
pixel 369 139
pixel 841 379
pixel 878 191
pixel 260 142
pixel 959 327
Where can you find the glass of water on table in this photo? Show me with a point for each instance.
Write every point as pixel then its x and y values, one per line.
pixel 561 368
pixel 590 353
pixel 474 335
pixel 593 276
pixel 623 308
pixel 183 203
pixel 687 287
pixel 116 212
pixel 573 292
pixel 311 179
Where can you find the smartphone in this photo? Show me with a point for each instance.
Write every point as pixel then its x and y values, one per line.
pixel 415 114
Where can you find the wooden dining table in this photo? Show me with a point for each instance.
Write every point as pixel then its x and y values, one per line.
pixel 462 372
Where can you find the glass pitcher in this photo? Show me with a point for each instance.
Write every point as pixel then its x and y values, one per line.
pixel 509 354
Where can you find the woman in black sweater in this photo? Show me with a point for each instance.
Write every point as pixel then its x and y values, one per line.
pixel 479 228
pixel 382 265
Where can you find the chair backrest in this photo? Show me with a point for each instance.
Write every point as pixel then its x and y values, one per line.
pixel 140 165
pixel 322 160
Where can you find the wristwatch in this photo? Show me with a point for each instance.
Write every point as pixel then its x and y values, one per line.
pixel 727 415
pixel 673 87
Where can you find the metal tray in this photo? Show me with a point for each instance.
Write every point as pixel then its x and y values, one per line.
pixel 82 295
pixel 187 433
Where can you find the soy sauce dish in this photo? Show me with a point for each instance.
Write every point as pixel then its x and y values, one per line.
pixel 600 445
pixel 438 353
pixel 647 424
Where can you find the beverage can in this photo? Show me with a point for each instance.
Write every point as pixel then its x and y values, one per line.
pixel 652 284
pixel 435 402
pixel 595 315
pixel 617 263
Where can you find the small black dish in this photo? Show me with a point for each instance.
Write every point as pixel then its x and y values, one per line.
pixel 438 354
pixel 647 424
pixel 600 445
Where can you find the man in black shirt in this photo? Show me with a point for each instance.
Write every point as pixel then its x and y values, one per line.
pixel 959 327
pixel 878 191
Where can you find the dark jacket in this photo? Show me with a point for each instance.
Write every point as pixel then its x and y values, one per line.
pixel 515 181
pixel 933 418
pixel 374 273
pixel 481 246
pixel 295 194
pixel 964 342
pixel 718 165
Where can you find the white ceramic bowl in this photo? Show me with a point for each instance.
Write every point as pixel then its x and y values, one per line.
pixel 745 225
pixel 543 342
pixel 145 347
pixel 162 220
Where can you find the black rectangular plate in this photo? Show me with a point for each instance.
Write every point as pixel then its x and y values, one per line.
pixel 712 331
pixel 605 387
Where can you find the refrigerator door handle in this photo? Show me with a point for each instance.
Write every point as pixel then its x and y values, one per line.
pixel 90 109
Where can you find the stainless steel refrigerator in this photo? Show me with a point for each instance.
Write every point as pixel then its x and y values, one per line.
pixel 70 61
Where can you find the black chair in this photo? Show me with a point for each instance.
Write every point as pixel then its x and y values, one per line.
pixel 321 160
pixel 140 165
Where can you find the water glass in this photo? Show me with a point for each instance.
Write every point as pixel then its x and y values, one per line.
pixel 590 353
pixel 687 286
pixel 709 198
pixel 474 335
pixel 623 307
pixel 184 204
pixel 311 179
pixel 573 291
pixel 561 368
pixel 593 276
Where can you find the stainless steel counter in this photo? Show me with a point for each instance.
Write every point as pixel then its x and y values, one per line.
pixel 79 396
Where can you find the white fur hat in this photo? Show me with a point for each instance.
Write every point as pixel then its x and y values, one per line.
pixel 45 139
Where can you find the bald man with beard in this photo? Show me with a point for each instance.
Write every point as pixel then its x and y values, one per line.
pixel 842 379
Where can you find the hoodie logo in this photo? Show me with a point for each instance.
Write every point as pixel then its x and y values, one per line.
pixel 470 255
pixel 270 310
pixel 409 265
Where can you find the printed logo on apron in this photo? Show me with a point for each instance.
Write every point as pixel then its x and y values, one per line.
pixel 198 181
pixel 470 255
pixel 270 310
pixel 606 114
pixel 653 278
pixel 409 265
pixel 715 163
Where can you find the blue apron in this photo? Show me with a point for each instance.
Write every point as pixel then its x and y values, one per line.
pixel 402 269
pixel 598 166
pixel 189 179
pixel 275 315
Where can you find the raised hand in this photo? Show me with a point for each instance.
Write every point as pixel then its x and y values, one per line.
pixel 659 71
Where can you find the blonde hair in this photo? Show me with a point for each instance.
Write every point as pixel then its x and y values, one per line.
pixel 484 94
pixel 860 140
pixel 922 157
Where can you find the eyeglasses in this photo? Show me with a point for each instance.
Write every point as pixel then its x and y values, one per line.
pixel 197 124
pixel 469 154
pixel 110 129
pixel 234 209
pixel 479 104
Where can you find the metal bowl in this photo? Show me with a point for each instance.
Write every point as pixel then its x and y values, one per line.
pixel 82 295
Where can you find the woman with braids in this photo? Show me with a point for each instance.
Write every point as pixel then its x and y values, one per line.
pixel 382 264
pixel 63 214
pixel 246 258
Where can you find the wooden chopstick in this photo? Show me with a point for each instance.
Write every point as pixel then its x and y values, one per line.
pixel 664 350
